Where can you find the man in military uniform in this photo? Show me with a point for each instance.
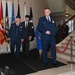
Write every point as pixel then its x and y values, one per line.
pixel 48 30
pixel 16 36
pixel 28 34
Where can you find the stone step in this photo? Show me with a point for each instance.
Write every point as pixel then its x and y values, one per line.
pixel 68 73
pixel 64 45
pixel 68 51
pixel 65 56
pixel 65 41
pixel 61 48
pixel 72 38
pixel 73 44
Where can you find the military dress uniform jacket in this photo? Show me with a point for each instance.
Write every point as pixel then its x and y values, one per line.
pixel 16 33
pixel 45 25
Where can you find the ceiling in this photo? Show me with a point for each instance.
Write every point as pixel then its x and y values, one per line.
pixel 71 3
pixel 55 5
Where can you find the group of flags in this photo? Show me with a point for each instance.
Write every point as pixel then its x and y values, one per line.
pixel 4 30
pixel 1 24
pixel 7 27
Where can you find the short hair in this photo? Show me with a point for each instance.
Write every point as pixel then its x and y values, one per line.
pixel 47 8
pixel 27 16
pixel 18 17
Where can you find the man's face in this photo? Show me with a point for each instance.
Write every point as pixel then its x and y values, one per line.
pixel 27 19
pixel 18 20
pixel 47 12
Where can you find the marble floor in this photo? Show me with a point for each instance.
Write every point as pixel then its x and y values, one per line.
pixel 57 71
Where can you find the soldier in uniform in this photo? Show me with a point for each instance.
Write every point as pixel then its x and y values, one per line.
pixel 48 29
pixel 28 34
pixel 16 36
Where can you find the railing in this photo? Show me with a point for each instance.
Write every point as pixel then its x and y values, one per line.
pixel 69 20
pixel 71 24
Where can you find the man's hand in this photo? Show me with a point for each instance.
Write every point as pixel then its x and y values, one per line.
pixel 30 38
pixel 48 32
pixel 22 40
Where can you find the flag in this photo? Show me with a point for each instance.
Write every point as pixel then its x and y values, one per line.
pixel 13 16
pixel 31 21
pixel 6 21
pixel 2 37
pixel 31 14
pixel 6 18
pixel 18 12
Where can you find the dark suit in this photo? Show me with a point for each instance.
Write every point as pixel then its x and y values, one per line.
pixel 27 33
pixel 58 35
pixel 45 25
pixel 16 33
pixel 65 30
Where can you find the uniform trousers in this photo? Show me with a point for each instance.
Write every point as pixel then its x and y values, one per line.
pixel 46 42
pixel 15 44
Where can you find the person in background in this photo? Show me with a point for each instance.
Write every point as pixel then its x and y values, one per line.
pixel 48 29
pixel 28 33
pixel 57 24
pixel 39 43
pixel 65 30
pixel 16 36
pixel 58 35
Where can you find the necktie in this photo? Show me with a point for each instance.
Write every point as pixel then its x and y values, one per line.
pixel 48 19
